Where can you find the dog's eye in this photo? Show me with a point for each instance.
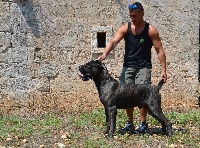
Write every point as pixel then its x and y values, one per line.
pixel 88 66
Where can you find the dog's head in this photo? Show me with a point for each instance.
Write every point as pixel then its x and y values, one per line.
pixel 91 70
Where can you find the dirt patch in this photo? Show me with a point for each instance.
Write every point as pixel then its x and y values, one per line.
pixel 73 103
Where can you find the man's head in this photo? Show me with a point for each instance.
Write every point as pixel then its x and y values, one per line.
pixel 136 12
pixel 136 6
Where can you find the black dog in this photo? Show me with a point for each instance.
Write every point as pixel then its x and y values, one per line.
pixel 115 95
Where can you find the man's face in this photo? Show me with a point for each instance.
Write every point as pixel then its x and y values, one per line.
pixel 136 16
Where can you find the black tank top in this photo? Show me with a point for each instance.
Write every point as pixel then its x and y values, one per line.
pixel 138 48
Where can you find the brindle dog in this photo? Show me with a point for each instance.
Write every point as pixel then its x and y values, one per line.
pixel 115 95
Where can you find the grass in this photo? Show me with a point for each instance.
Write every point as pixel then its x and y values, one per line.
pixel 21 127
pixel 84 130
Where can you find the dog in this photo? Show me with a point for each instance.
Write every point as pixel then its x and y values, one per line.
pixel 116 95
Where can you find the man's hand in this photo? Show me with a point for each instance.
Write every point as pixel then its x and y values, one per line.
pixel 102 57
pixel 163 76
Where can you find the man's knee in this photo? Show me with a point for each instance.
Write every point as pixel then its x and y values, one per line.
pixel 143 76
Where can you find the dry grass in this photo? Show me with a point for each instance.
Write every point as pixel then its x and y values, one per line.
pixel 72 102
pixel 83 98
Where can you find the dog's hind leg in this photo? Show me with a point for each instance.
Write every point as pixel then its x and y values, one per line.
pixel 157 113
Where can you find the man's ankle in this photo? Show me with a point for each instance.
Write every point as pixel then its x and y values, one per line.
pixel 143 123
pixel 129 122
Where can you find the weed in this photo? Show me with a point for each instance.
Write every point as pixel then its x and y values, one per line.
pixel 84 130
pixel 25 127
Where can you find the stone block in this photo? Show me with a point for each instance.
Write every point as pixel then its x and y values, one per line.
pixel 2 39
pixel 4 16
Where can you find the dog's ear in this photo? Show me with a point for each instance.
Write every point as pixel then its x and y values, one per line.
pixel 98 62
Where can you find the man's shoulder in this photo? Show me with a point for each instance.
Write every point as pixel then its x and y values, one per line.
pixel 152 29
pixel 153 32
pixel 124 27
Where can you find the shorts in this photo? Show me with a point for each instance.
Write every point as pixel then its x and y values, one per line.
pixel 136 76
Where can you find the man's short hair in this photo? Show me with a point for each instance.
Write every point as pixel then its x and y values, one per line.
pixel 136 5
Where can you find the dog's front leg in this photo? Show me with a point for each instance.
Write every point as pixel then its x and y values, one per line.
pixel 112 112
pixel 107 121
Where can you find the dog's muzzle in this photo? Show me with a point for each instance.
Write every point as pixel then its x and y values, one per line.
pixel 85 77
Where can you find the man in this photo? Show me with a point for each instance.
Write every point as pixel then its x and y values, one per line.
pixel 139 38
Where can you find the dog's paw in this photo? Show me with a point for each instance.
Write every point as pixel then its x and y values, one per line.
pixel 169 130
pixel 108 134
pixel 169 133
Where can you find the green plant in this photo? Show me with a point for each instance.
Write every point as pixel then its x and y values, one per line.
pixel 26 127
pixel 85 130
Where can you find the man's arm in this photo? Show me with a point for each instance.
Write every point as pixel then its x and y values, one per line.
pixel 154 35
pixel 121 32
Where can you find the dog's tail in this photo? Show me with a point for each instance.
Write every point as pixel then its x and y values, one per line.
pixel 160 84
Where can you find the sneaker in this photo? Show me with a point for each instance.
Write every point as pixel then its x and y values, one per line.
pixel 129 128
pixel 142 129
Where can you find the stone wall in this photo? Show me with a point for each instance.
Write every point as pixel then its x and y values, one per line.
pixel 42 43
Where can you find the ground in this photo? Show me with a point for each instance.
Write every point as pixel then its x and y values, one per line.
pixel 78 113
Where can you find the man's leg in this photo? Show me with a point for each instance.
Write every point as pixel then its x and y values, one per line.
pixel 129 112
pixel 128 76
pixel 143 114
pixel 143 77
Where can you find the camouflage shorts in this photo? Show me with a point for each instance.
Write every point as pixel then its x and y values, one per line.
pixel 136 76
